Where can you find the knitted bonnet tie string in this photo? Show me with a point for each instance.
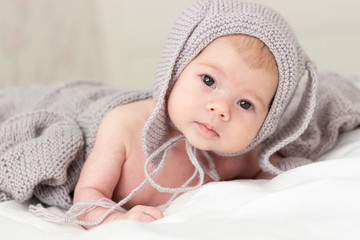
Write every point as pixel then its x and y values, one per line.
pixel 84 207
pixel 198 169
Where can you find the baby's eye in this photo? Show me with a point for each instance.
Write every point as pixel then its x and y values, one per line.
pixel 245 105
pixel 208 81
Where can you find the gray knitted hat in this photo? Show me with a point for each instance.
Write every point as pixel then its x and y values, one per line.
pixel 198 26
pixel 207 20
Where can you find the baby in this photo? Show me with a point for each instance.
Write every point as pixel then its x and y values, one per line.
pixel 223 94
pixel 225 80
pixel 219 88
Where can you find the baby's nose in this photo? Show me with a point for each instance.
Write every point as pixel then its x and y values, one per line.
pixel 221 109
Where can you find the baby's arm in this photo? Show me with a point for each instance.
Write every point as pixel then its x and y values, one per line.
pixel 102 169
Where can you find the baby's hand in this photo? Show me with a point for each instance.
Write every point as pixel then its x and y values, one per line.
pixel 139 213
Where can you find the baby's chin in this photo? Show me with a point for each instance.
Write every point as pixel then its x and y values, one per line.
pixel 217 148
pixel 215 145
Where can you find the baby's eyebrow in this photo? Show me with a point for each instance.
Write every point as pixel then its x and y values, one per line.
pixel 258 99
pixel 213 66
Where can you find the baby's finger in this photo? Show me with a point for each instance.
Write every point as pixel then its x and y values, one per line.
pixel 153 212
pixel 144 214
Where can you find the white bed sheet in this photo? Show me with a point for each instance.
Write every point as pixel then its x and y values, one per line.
pixel 317 201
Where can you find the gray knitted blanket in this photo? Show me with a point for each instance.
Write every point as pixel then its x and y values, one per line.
pixel 46 134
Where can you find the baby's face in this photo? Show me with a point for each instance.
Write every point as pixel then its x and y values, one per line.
pixel 218 102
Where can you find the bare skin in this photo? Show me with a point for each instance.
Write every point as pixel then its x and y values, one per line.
pixel 117 144
pixel 218 103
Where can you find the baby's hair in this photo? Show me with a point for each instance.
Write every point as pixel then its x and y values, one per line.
pixel 254 52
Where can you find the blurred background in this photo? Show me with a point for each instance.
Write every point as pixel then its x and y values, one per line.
pixel 119 41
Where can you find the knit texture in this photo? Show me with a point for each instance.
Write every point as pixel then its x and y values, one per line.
pixel 207 20
pixel 46 134
pixel 337 110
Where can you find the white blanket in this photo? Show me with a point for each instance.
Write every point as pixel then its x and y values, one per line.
pixel 317 201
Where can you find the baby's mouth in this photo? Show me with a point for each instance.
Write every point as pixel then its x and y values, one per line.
pixel 207 129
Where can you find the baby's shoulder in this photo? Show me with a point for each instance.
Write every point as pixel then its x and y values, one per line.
pixel 122 126
pixel 131 114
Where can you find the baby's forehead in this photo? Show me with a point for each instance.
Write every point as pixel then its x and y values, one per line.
pixel 253 51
